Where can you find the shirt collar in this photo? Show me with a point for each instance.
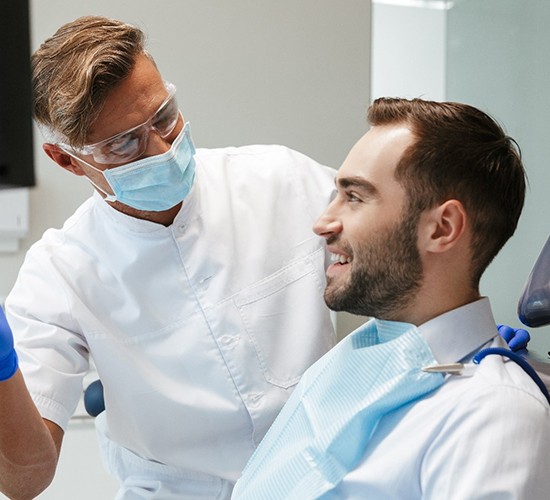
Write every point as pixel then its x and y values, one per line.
pixel 455 334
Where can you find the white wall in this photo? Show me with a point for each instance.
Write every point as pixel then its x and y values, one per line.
pixel 294 72
pixel 408 49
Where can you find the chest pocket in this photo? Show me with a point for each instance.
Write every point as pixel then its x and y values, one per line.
pixel 287 321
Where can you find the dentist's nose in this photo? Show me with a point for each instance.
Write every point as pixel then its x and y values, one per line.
pixel 156 144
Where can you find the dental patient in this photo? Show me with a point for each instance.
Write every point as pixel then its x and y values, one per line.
pixel 424 400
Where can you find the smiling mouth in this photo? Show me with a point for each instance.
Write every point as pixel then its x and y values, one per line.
pixel 336 258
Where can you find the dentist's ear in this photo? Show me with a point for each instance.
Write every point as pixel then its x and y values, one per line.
pixel 63 159
pixel 443 227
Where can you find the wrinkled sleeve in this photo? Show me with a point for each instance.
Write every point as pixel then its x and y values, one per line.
pixel 52 353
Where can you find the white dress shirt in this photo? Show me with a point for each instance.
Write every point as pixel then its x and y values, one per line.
pixel 484 436
pixel 199 331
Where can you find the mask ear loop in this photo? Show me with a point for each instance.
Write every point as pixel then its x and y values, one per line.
pixel 108 196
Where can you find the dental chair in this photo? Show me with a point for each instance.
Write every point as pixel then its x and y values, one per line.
pixel 534 310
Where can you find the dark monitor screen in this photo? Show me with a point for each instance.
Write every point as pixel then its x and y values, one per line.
pixel 16 146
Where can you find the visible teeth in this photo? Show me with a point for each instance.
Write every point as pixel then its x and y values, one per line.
pixel 340 258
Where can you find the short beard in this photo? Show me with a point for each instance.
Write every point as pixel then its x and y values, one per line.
pixel 386 275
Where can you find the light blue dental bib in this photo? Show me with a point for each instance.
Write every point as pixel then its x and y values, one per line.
pixel 323 430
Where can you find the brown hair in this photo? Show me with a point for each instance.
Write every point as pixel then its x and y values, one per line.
pixel 459 153
pixel 74 70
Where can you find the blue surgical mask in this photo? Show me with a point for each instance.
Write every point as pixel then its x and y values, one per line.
pixel 156 183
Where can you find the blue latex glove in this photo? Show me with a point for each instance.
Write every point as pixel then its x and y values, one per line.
pixel 8 357
pixel 517 339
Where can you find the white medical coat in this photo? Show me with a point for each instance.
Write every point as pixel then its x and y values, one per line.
pixel 200 330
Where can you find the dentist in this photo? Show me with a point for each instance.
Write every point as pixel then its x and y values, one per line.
pixel 191 278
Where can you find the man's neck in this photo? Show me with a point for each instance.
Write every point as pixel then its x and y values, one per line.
pixel 427 306
pixel 166 217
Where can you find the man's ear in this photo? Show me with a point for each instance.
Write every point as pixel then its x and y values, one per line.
pixel 63 159
pixel 444 226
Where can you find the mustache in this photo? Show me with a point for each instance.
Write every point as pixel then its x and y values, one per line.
pixel 343 245
pixel 332 239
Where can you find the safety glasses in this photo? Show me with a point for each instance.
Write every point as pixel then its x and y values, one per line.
pixel 130 144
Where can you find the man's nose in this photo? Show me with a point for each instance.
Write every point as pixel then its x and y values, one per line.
pixel 328 224
pixel 156 144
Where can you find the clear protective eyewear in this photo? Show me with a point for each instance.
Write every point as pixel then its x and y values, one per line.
pixel 128 145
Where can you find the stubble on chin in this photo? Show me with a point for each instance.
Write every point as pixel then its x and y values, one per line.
pixel 384 276
pixel 333 293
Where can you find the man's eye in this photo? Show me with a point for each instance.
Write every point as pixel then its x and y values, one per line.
pixel 167 116
pixel 162 120
pixel 351 196
pixel 121 144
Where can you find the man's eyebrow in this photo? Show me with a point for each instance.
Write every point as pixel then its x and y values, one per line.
pixel 356 182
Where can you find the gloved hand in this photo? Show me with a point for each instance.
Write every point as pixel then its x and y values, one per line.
pixel 8 357
pixel 517 339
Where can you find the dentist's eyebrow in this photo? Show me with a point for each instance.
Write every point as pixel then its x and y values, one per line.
pixel 358 183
